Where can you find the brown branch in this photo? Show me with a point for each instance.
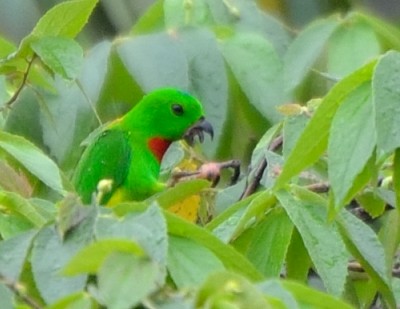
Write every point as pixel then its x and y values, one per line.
pixel 11 101
pixel 356 267
pixel 19 291
pixel 252 186
pixel 319 187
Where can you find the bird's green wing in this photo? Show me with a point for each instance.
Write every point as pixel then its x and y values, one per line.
pixel 109 157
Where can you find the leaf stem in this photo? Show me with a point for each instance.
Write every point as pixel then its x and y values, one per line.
pixel 255 182
pixel 15 96
pixel 19 291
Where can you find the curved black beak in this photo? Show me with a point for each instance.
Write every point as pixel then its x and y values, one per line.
pixel 198 129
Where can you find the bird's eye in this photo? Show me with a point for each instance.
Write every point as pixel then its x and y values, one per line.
pixel 177 109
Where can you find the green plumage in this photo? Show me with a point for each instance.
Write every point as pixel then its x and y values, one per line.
pixel 128 152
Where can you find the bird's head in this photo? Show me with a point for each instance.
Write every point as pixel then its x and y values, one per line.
pixel 164 116
pixel 171 114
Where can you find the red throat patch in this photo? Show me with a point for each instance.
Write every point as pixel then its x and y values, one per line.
pixel 158 147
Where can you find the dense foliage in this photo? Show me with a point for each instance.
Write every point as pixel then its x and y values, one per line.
pixel 313 117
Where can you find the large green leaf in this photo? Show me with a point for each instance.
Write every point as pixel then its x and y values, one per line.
pixel 65 19
pixel 94 70
pixel 298 262
pixel 231 259
pixel 254 19
pixel 77 300
pixel 68 120
pixel 321 238
pixel 155 61
pixel 387 32
pixel 258 69
pixel 21 207
pixel 269 244
pixel 146 227
pixel 305 50
pixel 365 246
pixel 314 140
pixel 13 254
pixel 151 20
pixel 352 45
pixel 314 298
pixel 124 280
pixel 6 47
pixel 33 159
pixel 208 79
pixel 91 257
pixel 351 142
pixel 178 13
pixel 62 55
pixel 189 263
pixel 386 95
pixel 49 256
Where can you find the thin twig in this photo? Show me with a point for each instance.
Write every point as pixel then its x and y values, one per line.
pixel 357 267
pixel 319 187
pixel 255 182
pixel 19 291
pixel 15 96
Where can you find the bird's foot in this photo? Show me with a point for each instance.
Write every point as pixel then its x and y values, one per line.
pixel 210 171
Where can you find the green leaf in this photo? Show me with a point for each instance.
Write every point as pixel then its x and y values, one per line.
pixel 255 19
pixel 229 290
pixel 258 70
pixel 352 45
pixel 13 254
pixel 6 297
pixel 386 95
pixel 312 298
pixel 6 47
pixel 372 203
pixel 68 120
pixel 208 80
pixel 11 225
pixel 365 246
pixel 23 118
pixel 231 259
pixel 274 288
pixel 305 50
pixel 189 263
pixel 22 207
pixel 235 219
pixel 178 13
pixel 94 70
pixel 179 192
pixel 322 240
pixel 396 178
pixel 386 31
pixel 65 19
pixel 91 257
pixel 155 61
pixel 63 56
pixel 49 256
pixel 151 20
pixel 124 280
pixel 33 159
pixel 298 262
pixel 314 140
pixel 348 156
pixel 147 227
pixel 270 242
pixel 292 130
pixel 80 300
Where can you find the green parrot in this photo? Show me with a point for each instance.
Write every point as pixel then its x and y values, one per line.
pixel 127 154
